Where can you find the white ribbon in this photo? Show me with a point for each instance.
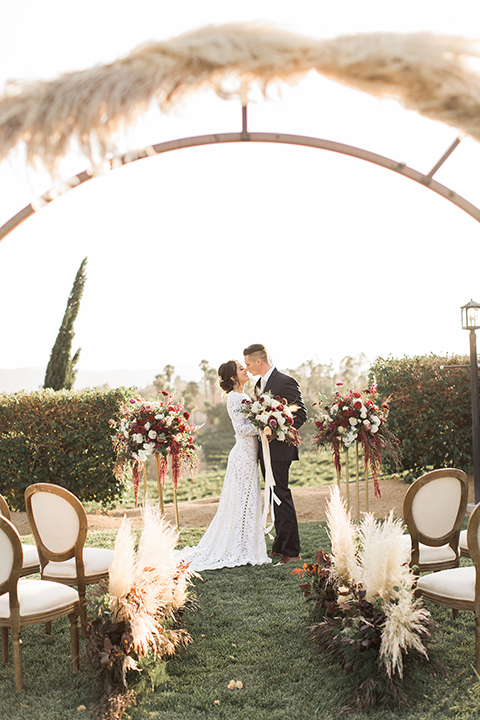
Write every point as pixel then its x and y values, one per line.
pixel 270 498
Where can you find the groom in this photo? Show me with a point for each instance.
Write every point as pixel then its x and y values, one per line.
pixel 287 543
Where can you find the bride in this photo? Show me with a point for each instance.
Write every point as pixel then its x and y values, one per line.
pixel 235 536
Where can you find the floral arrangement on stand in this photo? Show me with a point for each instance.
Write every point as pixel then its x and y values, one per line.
pixel 364 611
pixel 159 428
pixel 273 416
pixel 137 623
pixel 354 419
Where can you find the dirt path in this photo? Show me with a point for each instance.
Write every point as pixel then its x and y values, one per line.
pixel 309 503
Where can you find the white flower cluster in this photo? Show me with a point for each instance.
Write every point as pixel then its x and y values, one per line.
pixel 145 442
pixel 273 416
pixel 365 417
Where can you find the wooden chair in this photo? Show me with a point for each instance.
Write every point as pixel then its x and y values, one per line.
pixel 459 588
pixel 31 563
pixel 433 509
pixel 463 545
pixel 27 601
pixel 59 525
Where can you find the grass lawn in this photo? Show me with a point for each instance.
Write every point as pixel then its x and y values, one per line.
pixel 249 626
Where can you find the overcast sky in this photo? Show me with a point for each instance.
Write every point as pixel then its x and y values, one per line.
pixel 197 253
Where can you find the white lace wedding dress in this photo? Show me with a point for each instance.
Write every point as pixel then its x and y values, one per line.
pixel 235 536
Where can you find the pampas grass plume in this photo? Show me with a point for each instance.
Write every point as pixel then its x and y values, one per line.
pixel 428 73
pixel 403 629
pixel 147 585
pixel 382 557
pixel 123 568
pixel 343 536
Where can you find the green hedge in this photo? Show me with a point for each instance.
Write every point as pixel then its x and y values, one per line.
pixel 430 410
pixel 62 437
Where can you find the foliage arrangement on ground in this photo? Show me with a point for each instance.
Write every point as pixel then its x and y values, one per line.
pixel 136 626
pixel 364 610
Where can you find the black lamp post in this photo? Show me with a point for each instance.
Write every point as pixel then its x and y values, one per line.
pixel 471 321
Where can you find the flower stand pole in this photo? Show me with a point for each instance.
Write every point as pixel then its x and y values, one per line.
pixel 357 481
pixel 144 483
pixel 366 488
pixel 160 483
pixel 347 480
pixel 177 523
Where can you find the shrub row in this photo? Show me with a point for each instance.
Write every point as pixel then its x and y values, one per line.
pixel 430 410
pixel 61 437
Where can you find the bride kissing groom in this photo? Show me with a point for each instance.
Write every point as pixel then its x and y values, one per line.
pixel 236 534
pixel 286 545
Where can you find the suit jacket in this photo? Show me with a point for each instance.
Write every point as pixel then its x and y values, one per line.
pixel 287 387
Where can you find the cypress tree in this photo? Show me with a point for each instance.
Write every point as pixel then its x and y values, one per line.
pixel 61 370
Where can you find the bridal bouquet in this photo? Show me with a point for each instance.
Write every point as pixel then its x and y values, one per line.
pixel 154 428
pixel 273 416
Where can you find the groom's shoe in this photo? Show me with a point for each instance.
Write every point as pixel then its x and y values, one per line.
pixel 287 559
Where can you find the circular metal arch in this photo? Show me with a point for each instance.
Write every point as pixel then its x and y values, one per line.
pixel 245 136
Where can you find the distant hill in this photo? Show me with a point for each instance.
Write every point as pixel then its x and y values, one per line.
pixel 17 379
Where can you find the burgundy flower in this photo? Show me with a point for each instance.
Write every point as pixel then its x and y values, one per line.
pixel 272 422
pixel 186 415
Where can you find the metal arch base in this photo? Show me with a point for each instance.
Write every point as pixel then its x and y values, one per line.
pixel 245 136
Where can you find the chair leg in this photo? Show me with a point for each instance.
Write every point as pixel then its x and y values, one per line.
pixel 4 635
pixel 74 641
pixel 455 613
pixel 83 608
pixel 17 658
pixel 477 641
pixel 48 627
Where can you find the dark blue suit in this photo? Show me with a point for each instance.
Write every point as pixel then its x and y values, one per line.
pixel 282 454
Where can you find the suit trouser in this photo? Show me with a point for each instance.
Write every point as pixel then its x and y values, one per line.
pixel 287 541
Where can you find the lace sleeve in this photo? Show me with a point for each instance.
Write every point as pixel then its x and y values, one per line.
pixel 241 425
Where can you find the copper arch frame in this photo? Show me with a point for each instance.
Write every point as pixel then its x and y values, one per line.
pixel 245 136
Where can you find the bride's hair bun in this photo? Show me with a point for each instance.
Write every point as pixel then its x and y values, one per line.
pixel 228 375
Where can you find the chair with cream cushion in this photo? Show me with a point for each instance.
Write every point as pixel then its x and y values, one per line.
pixel 59 525
pixel 27 602
pixel 459 588
pixel 31 563
pixel 433 509
pixel 463 545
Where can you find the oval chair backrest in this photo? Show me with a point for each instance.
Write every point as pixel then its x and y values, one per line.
pixel 436 500
pixel 4 509
pixel 473 542
pixel 55 517
pixel 11 555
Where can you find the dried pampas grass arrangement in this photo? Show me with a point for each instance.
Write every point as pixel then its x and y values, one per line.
pixel 137 621
pixel 426 72
pixel 365 613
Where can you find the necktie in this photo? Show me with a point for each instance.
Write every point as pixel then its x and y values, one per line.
pixel 263 382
